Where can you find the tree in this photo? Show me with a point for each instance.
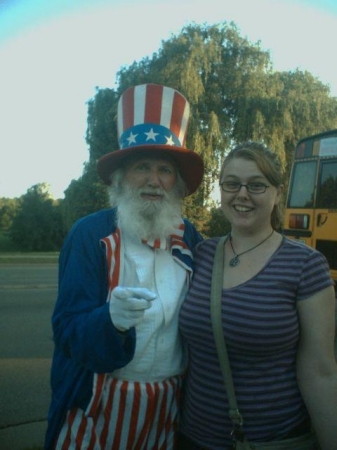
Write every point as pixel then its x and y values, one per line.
pixel 37 225
pixel 8 209
pixel 218 225
pixel 101 135
pixel 283 108
pixel 88 193
pixel 83 196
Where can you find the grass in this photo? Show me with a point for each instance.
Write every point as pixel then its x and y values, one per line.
pixel 10 254
pixel 29 258
pixel 34 448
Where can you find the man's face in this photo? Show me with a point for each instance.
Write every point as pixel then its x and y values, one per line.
pixel 149 198
pixel 152 178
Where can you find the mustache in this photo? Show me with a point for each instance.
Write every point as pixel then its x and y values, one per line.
pixel 154 191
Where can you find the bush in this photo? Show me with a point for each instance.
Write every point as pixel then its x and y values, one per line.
pixel 6 245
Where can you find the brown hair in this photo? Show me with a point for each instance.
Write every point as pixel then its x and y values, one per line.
pixel 269 164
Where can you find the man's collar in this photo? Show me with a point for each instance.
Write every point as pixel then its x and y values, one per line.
pixel 158 243
pixel 165 243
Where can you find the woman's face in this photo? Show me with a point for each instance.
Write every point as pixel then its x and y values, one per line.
pixel 248 211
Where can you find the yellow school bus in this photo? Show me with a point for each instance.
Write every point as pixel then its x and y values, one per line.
pixel 311 209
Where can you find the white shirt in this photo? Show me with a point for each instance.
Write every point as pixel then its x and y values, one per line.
pixel 159 350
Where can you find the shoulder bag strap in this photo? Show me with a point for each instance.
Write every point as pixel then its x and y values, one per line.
pixel 216 295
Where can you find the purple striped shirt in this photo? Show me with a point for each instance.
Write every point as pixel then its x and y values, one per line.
pixel 261 329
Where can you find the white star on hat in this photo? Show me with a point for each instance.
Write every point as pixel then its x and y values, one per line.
pixel 169 140
pixel 132 138
pixel 151 135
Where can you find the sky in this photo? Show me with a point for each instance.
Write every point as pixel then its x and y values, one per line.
pixel 53 56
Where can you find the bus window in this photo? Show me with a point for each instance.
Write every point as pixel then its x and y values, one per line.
pixel 303 185
pixel 327 194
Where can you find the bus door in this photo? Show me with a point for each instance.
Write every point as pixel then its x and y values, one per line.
pixel 325 213
pixel 311 212
pixel 299 218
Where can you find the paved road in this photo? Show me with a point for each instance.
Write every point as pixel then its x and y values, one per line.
pixel 27 297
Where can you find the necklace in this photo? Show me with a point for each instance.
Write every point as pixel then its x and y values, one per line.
pixel 235 260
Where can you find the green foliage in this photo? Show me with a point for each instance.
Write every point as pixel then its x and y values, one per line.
pixel 88 194
pixel 83 196
pixel 6 245
pixel 284 108
pixel 196 213
pixel 218 225
pixel 101 133
pixel 37 226
pixel 328 193
pixel 8 209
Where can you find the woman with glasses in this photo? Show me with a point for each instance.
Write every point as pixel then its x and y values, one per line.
pixel 277 317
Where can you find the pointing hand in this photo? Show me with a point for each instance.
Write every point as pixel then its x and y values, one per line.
pixel 128 305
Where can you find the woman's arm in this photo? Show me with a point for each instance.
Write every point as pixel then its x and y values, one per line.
pixel 316 364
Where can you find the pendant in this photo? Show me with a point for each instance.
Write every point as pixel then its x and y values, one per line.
pixel 234 261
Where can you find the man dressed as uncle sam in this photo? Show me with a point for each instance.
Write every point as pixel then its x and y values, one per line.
pixel 123 274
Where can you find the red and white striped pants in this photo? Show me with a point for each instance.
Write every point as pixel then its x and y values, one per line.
pixel 132 416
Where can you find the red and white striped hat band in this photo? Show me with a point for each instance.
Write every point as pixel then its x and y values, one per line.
pixel 153 118
pixel 151 114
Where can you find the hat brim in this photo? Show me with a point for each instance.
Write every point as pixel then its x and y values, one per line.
pixel 190 164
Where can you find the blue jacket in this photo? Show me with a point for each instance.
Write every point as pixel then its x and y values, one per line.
pixel 86 342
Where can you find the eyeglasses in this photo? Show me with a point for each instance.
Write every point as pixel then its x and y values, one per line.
pixel 252 188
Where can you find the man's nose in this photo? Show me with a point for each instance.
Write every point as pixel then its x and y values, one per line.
pixel 153 178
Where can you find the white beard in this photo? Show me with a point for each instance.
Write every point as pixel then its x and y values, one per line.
pixel 148 219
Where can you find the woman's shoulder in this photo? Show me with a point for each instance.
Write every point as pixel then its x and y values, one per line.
pixel 298 254
pixel 294 243
pixel 298 247
pixel 206 248
pixel 209 243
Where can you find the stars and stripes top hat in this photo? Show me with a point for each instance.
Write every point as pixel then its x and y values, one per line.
pixel 152 117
